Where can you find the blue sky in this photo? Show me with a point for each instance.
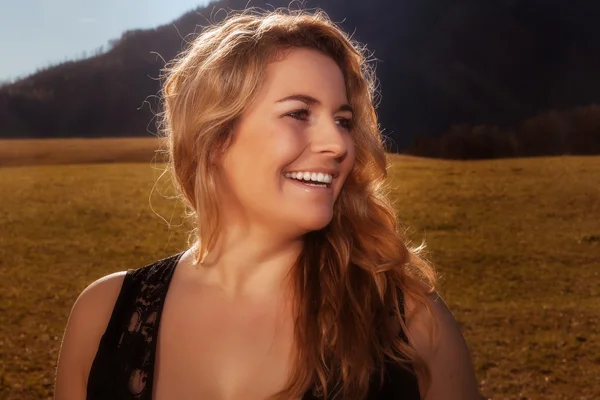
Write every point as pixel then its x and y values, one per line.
pixel 36 33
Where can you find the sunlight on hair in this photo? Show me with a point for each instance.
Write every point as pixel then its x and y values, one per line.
pixel 363 250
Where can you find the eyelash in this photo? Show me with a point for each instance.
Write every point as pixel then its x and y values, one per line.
pixel 347 122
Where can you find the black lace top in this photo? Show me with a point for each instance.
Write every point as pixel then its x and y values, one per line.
pixel 123 368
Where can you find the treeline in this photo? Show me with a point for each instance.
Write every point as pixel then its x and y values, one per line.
pixel 573 131
pixel 440 63
pixel 111 94
pixel 95 101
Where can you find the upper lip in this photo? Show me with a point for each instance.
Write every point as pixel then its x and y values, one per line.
pixel 333 172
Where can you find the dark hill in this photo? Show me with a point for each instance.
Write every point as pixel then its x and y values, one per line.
pixel 441 63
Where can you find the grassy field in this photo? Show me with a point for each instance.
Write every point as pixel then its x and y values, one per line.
pixel 20 152
pixel 517 243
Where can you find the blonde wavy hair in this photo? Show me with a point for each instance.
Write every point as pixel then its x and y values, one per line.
pixel 352 276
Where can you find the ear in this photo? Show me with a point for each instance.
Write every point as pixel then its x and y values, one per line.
pixel 215 156
pixel 220 149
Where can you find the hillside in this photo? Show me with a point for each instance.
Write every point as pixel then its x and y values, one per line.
pixel 441 63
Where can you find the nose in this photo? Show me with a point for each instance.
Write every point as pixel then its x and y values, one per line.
pixel 330 138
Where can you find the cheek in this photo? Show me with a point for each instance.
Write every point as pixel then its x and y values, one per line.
pixel 239 166
pixel 350 159
pixel 346 166
pixel 282 145
pixel 264 151
pixel 285 144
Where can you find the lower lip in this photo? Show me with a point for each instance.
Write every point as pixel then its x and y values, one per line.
pixel 311 189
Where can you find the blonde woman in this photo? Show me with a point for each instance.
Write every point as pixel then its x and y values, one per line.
pixel 298 283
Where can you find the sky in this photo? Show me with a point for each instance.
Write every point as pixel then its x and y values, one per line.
pixel 37 33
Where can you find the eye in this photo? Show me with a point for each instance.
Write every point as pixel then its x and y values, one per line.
pixel 301 114
pixel 345 123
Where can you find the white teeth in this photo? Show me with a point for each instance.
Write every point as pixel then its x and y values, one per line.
pixel 310 176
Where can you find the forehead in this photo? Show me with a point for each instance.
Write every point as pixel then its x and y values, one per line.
pixel 305 71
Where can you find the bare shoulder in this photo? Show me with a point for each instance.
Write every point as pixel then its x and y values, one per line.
pixel 436 336
pixel 87 322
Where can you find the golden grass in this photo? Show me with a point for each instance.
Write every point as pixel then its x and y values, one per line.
pixel 517 243
pixel 19 152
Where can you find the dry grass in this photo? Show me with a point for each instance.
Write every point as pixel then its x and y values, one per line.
pixel 20 152
pixel 517 243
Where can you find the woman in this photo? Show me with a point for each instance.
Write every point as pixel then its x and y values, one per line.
pixel 298 284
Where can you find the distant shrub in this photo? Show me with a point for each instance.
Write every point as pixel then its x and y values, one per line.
pixel 554 132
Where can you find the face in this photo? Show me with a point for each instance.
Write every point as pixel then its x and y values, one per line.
pixel 292 150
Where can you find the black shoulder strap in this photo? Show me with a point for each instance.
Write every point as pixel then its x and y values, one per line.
pixel 124 363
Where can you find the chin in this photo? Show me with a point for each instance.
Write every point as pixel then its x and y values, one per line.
pixel 315 222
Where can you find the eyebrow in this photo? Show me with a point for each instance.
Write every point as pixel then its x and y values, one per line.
pixel 311 100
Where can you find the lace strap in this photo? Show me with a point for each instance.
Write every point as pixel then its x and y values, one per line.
pixel 138 339
pixel 124 364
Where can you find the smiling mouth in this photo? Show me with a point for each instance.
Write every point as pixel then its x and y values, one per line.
pixel 314 180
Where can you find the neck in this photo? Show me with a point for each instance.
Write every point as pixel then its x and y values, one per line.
pixel 251 261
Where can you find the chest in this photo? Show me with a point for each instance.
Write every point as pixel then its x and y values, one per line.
pixel 209 347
